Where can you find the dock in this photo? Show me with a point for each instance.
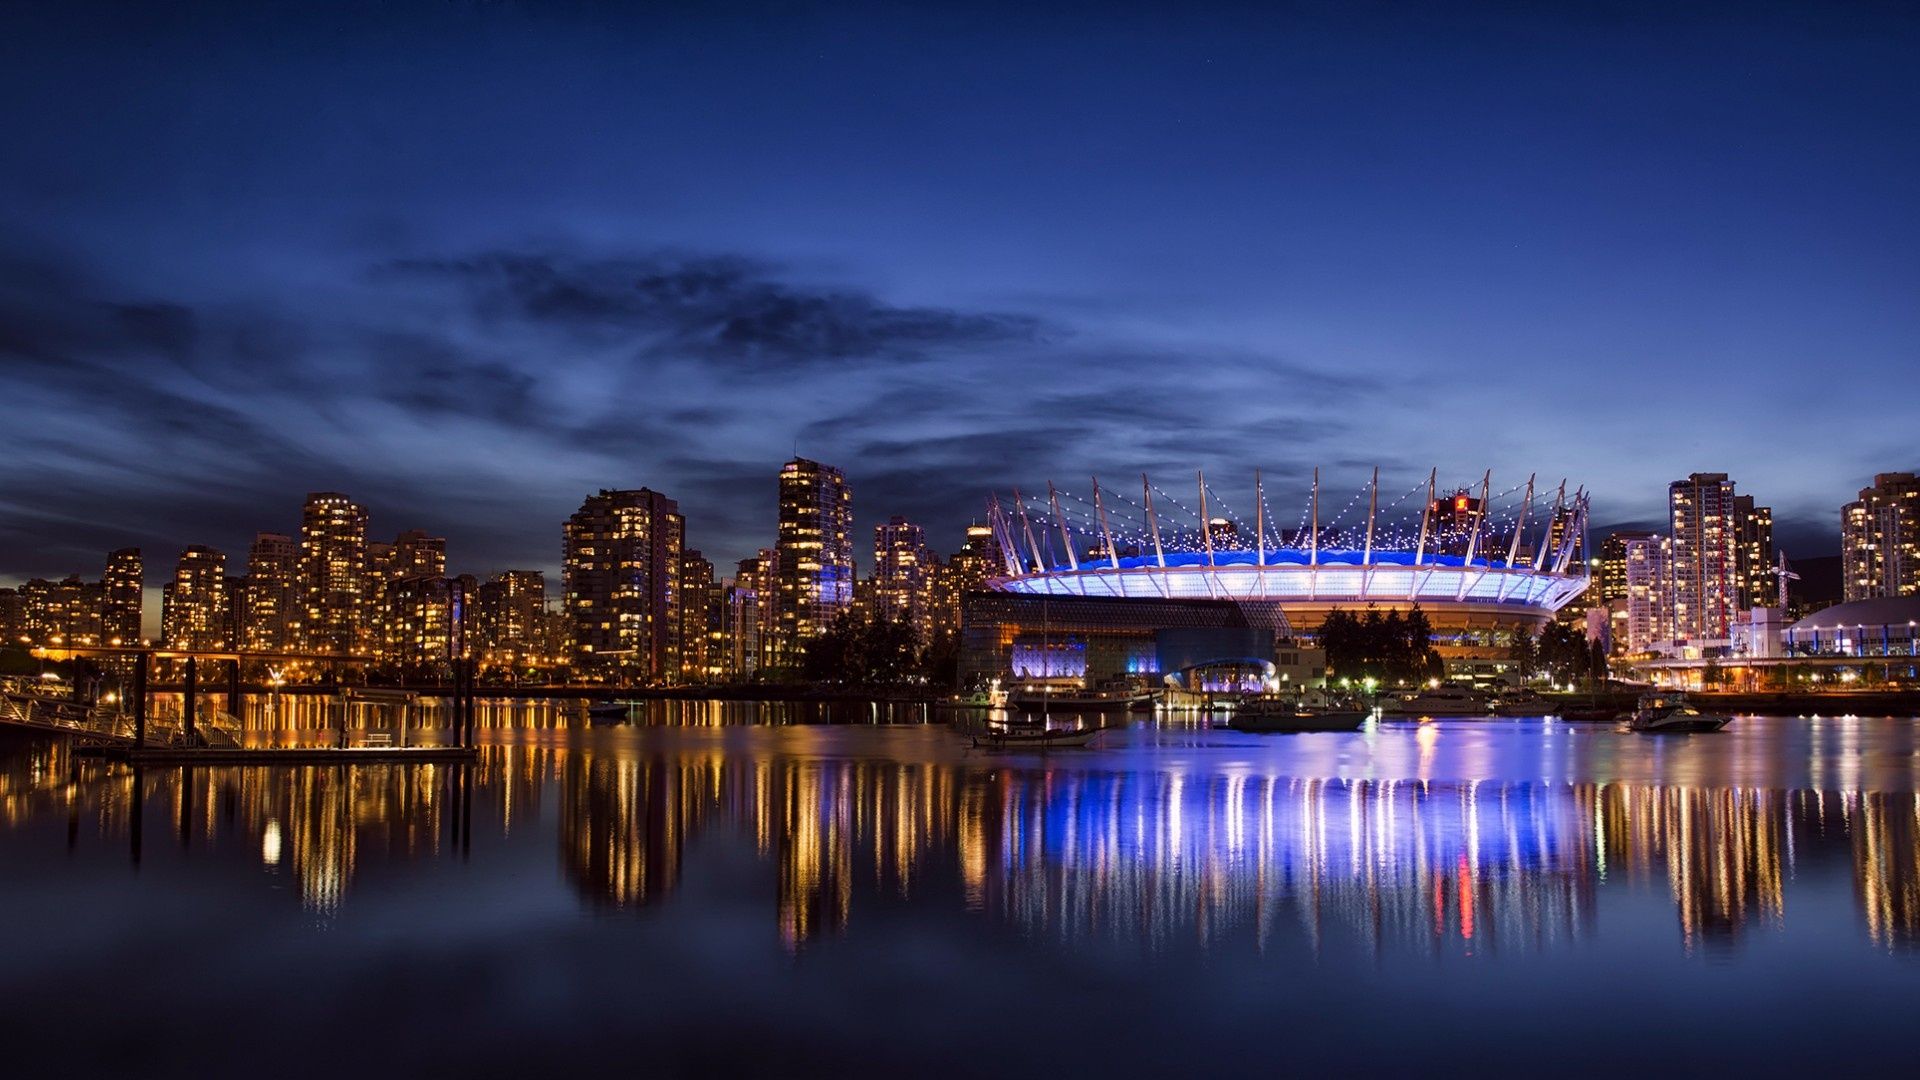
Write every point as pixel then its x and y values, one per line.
pixel 115 736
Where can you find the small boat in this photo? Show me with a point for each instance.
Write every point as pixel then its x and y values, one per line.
pixel 1439 701
pixel 1673 714
pixel 1002 738
pixel 609 712
pixel 993 696
pixel 1272 716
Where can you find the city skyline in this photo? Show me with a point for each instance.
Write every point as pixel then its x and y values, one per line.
pixel 947 297
pixel 153 602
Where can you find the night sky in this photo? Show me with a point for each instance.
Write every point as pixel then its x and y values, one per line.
pixel 469 262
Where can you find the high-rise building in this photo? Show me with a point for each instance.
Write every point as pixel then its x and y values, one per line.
pixel 1452 518
pixel 195 612
pixel 332 582
pixel 621 571
pixel 64 612
pixel 236 618
pixel 272 564
pixel 697 597
pixel 13 623
pixel 1648 577
pixel 510 615
pixel 747 607
pixel 426 620
pixel 122 598
pixel 903 575
pixel 1753 533
pixel 1608 580
pixel 967 570
pixel 815 546
pixel 1705 556
pixel 415 554
pixel 1880 539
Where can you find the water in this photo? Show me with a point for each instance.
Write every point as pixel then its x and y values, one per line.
pixel 699 893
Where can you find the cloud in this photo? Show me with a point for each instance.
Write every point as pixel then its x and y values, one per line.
pixel 482 396
pixel 723 310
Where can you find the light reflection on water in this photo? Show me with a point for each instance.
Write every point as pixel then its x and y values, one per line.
pixel 1402 843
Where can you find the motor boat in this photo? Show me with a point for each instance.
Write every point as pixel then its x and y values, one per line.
pixel 1266 716
pixel 1439 701
pixel 1673 713
pixel 1002 737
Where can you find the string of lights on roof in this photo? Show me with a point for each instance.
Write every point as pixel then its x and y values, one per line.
pixel 1523 528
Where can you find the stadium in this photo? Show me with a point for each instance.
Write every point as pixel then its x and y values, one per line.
pixel 1098 588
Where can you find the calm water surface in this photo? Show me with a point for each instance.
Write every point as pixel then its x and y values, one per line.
pixel 703 892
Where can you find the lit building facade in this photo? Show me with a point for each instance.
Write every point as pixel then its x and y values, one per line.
pixel 64 612
pixel 1609 576
pixel 13 622
pixel 1753 532
pixel 621 579
pixel 426 621
pixel 967 570
pixel 1475 602
pixel 332 584
pixel 1647 573
pixel 1880 539
pixel 904 569
pixel 815 547
pixel 195 612
pixel 510 613
pixel 747 602
pixel 1704 515
pixel 123 598
pixel 702 654
pixel 273 562
pixel 413 555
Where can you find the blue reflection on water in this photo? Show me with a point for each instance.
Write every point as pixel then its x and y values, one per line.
pixel 847 888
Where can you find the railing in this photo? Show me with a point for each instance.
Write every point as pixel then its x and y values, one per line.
pixel 33 710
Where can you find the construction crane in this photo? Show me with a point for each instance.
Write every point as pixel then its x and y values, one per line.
pixel 1781 571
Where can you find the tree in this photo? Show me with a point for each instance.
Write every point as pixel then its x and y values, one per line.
pixel 1395 647
pixel 1525 653
pixel 1564 653
pixel 1597 664
pixel 863 652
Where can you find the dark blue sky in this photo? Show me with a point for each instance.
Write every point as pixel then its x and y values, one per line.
pixel 471 261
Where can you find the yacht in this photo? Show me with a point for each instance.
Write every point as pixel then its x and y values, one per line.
pixel 1440 701
pixel 1673 713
